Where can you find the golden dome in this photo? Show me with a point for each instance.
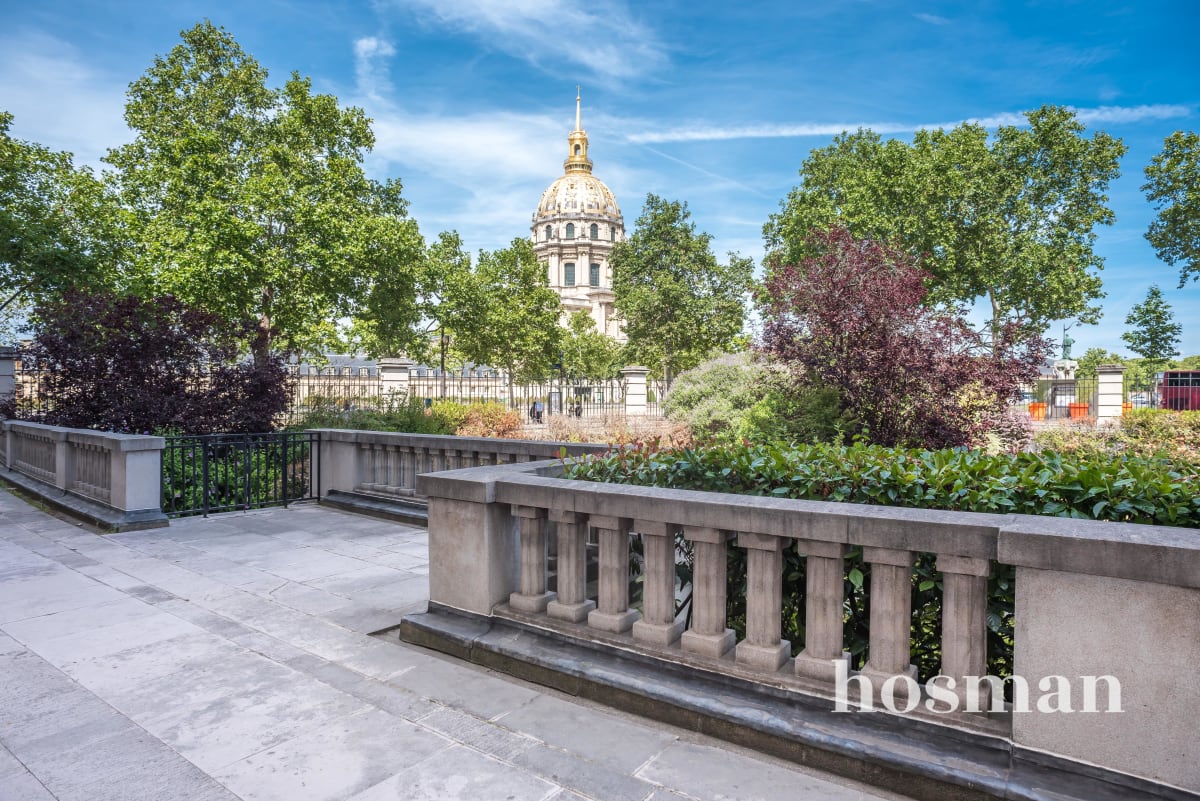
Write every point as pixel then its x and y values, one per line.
pixel 578 194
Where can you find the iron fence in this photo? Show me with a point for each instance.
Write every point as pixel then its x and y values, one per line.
pixel 1141 391
pixel 1063 399
pixel 232 472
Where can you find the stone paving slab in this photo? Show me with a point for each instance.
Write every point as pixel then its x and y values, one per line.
pixel 229 658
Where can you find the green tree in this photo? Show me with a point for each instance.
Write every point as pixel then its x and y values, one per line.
pixel 57 224
pixel 1008 220
pixel 1155 334
pixel 1093 358
pixel 512 323
pixel 1173 186
pixel 586 353
pixel 678 303
pixel 251 202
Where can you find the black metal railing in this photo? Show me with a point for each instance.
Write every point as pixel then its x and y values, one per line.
pixel 229 472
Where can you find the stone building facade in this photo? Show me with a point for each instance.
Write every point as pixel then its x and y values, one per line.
pixel 576 224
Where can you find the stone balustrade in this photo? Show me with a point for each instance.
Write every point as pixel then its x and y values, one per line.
pixel 388 463
pixel 1092 599
pixel 114 479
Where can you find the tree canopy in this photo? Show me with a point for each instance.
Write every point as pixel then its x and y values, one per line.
pixel 1008 220
pixel 512 319
pixel 251 202
pixel 1173 186
pixel 587 353
pixel 677 301
pixel 1154 334
pixel 57 224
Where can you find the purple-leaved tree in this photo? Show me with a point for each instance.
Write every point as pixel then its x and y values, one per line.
pixel 139 365
pixel 853 317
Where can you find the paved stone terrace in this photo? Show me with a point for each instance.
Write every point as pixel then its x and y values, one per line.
pixel 228 658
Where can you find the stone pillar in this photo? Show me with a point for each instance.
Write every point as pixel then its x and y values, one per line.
pixel 635 389
pixel 393 377
pixel 613 612
pixel 473 554
pixel 135 474
pixel 8 372
pixel 763 648
pixel 708 635
pixel 572 603
pixel 658 626
pixel 532 595
pixel 1110 392
pixel 825 572
pixel 891 617
pixel 964 624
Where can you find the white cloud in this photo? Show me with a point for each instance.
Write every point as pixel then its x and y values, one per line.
pixel 370 65
pixel 700 133
pixel 607 42
pixel 57 99
pixel 932 19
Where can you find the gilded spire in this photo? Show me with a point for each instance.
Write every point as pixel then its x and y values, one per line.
pixel 577 144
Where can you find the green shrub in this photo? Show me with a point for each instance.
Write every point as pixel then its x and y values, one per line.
pixel 375 414
pixel 714 397
pixel 1146 433
pixel 1137 490
pixel 736 397
pixel 412 417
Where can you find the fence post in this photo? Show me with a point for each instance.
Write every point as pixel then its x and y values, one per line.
pixel 8 372
pixel 393 376
pixel 635 389
pixel 1110 392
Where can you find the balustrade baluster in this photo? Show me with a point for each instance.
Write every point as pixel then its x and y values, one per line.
pixel 572 603
pixel 532 596
pixel 708 635
pixel 823 609
pixel 658 625
pixel 763 648
pixel 891 618
pixel 613 612
pixel 964 627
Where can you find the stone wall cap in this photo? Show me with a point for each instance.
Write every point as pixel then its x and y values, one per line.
pixel 1158 554
pixel 126 443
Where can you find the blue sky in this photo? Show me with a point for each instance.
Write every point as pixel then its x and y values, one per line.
pixel 715 103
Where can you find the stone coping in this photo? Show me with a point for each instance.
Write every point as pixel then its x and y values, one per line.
pixel 1157 554
pixel 517 447
pixel 103 439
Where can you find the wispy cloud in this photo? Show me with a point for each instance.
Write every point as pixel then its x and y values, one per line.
pixel 932 19
pixel 607 41
pixel 57 99
pixel 703 133
pixel 370 65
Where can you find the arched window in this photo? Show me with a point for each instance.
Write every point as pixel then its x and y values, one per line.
pixel 576 150
pixel 569 274
pixel 570 230
pixel 595 231
pixel 612 234
pixel 549 231
pixel 594 275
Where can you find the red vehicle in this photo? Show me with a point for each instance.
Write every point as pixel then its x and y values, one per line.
pixel 1179 390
